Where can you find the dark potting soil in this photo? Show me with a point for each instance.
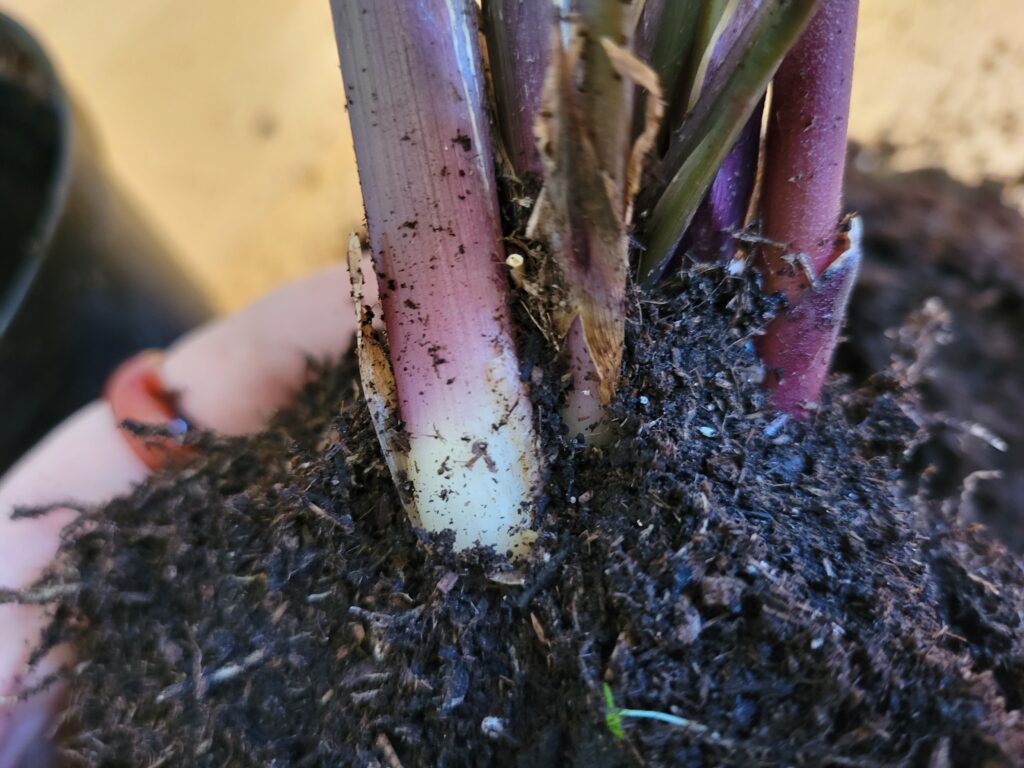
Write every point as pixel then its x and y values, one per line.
pixel 931 237
pixel 764 581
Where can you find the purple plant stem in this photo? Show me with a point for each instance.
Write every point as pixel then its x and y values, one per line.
pixel 647 28
pixel 801 199
pixel 714 123
pixel 724 208
pixel 805 148
pixel 518 36
pixel 798 344
pixel 741 16
pixel 414 90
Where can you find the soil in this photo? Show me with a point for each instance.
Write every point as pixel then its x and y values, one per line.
pixel 931 237
pixel 799 594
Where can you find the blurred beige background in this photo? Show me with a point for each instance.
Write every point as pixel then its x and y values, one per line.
pixel 224 118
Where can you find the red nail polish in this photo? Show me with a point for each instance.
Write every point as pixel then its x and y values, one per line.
pixel 136 392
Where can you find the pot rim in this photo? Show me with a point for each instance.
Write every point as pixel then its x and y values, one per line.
pixel 17 41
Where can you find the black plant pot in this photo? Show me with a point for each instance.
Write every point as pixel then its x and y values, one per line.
pixel 83 284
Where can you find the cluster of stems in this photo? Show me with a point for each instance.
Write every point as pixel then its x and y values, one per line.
pixel 622 122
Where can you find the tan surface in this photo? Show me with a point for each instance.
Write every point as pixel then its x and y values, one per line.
pixel 224 117
pixel 224 120
pixel 943 80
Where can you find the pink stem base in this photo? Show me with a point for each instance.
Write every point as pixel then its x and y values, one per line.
pixel 798 344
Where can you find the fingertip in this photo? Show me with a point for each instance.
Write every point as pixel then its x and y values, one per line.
pixel 25 743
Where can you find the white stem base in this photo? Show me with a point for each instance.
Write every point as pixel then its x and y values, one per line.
pixel 477 472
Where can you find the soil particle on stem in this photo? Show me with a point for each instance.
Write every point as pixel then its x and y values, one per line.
pixel 269 604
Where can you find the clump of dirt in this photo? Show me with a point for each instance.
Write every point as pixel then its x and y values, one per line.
pixel 761 579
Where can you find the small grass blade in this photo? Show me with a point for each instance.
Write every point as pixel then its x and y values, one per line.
pixel 611 713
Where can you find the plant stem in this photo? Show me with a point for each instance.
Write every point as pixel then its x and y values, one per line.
pixel 801 199
pixel 805 148
pixel 665 39
pixel 518 36
pixel 414 91
pixel 589 182
pixel 607 96
pixel 798 344
pixel 690 79
pixel 607 116
pixel 723 108
pixel 723 210
pixel 724 207
pixel 740 14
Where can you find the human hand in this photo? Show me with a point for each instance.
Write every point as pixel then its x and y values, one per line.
pixel 231 375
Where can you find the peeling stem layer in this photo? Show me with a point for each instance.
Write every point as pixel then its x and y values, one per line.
pixel 600 248
pixel 414 91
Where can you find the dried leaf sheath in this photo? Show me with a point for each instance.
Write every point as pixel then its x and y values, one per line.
pixel 585 206
pixel 379 389
pixel 413 83
pixel 578 218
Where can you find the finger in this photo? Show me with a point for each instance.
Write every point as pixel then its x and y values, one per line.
pixel 84 459
pixel 231 376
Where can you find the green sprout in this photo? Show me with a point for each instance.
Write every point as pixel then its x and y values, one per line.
pixel 614 714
